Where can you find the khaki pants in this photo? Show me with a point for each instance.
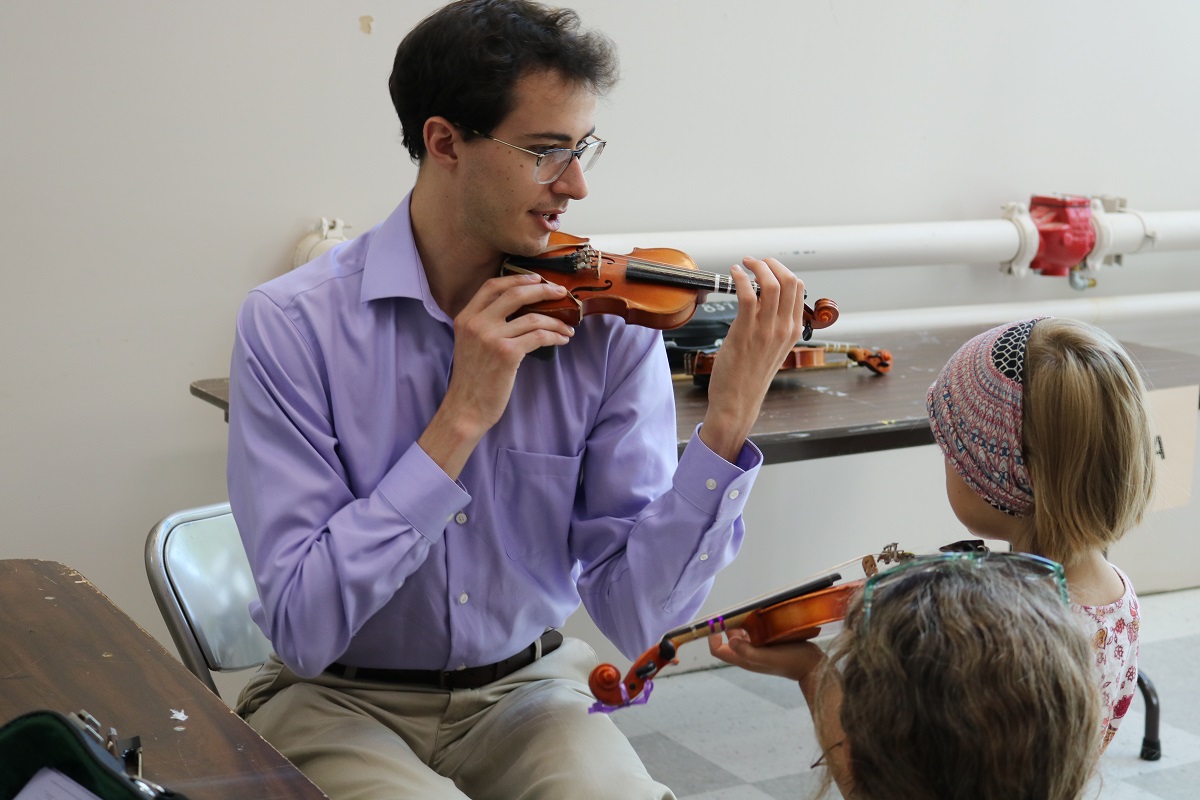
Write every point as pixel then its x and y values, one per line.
pixel 527 736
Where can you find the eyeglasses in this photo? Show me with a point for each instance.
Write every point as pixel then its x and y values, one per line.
pixel 1025 566
pixel 552 163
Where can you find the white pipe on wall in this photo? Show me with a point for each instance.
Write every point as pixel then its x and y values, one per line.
pixel 1096 310
pixel 1163 230
pixel 1010 241
pixel 836 246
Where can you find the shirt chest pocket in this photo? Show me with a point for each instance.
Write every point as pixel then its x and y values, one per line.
pixel 535 493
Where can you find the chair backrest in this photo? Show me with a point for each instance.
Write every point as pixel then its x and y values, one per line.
pixel 201 579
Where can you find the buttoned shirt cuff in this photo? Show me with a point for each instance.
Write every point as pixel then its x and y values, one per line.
pixel 423 493
pixel 711 483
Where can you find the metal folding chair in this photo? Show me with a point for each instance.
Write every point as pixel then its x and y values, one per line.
pixel 201 579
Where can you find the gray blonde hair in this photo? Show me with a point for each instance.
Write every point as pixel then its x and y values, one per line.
pixel 1087 439
pixel 967 682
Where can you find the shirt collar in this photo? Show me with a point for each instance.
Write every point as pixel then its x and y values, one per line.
pixel 393 267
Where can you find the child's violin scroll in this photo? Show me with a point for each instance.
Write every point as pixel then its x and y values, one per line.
pixel 793 620
pixel 654 287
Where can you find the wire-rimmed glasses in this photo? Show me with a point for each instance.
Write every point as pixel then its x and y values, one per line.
pixel 1023 565
pixel 552 163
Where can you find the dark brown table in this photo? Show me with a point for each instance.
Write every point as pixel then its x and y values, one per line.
pixel 848 409
pixel 65 647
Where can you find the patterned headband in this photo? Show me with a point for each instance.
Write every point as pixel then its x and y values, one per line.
pixel 975 412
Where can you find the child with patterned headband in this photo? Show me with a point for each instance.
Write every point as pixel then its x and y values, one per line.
pixel 1044 427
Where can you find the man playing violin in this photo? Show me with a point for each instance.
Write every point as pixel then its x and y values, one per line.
pixel 423 503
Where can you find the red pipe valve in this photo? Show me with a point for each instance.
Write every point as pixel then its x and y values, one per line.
pixel 1066 235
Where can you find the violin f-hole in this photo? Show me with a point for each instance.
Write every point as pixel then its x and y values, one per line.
pixel 607 285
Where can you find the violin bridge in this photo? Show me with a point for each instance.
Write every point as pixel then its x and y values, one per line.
pixel 888 555
pixel 893 553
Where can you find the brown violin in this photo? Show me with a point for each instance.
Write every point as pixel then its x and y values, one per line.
pixel 795 614
pixel 654 287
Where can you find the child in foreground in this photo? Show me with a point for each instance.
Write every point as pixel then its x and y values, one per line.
pixel 959 675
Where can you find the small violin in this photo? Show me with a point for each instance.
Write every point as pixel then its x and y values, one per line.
pixel 795 614
pixel 656 287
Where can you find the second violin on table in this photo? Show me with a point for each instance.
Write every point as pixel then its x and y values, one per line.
pixel 654 287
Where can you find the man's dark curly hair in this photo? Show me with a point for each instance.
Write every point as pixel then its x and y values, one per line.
pixel 462 62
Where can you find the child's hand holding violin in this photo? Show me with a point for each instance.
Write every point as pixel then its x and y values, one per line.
pixel 798 661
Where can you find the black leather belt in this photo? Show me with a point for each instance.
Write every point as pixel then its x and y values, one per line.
pixel 469 678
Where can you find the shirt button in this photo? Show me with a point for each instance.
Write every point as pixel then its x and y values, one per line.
pixel 734 494
pixel 462 598
pixel 461 667
pixel 704 556
pixel 711 484
pixel 460 518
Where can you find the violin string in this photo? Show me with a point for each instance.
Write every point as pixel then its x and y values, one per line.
pixel 695 277
pixel 702 622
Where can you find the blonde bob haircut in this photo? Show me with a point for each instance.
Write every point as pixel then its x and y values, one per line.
pixel 1086 439
pixel 968 681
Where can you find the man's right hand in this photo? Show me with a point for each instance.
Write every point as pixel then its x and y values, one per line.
pixel 489 346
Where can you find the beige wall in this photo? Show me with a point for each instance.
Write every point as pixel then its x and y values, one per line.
pixel 160 159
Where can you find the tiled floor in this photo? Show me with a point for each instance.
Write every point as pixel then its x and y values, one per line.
pixel 729 734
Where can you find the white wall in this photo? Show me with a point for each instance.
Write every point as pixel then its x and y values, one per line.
pixel 160 159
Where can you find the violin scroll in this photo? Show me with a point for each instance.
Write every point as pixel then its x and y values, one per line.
pixel 605 682
pixel 612 691
pixel 823 313
pixel 878 361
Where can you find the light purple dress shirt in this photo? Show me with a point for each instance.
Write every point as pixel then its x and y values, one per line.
pixel 365 552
